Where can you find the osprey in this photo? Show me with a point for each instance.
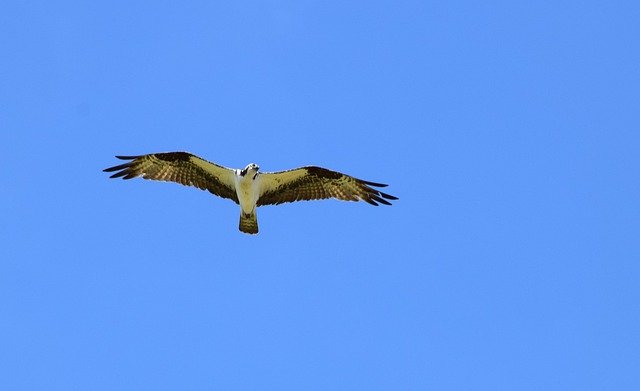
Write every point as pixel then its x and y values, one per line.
pixel 248 187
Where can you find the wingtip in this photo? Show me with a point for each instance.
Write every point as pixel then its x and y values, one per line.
pixel 120 174
pixel 370 200
pixel 388 196
pixel 117 168
pixel 375 184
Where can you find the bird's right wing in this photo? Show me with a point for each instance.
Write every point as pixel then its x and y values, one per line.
pixel 180 167
pixel 315 183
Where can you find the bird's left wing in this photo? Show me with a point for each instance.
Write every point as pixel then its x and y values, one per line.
pixel 180 167
pixel 314 183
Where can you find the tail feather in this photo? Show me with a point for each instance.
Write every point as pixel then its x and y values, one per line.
pixel 249 222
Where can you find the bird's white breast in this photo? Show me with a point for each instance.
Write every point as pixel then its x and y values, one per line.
pixel 248 191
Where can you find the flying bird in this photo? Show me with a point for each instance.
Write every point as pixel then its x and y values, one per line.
pixel 248 187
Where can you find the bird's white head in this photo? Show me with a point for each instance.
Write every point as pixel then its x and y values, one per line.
pixel 251 169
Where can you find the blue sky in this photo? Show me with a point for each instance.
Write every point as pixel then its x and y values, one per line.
pixel 509 130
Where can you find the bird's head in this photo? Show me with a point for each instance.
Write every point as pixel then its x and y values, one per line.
pixel 251 168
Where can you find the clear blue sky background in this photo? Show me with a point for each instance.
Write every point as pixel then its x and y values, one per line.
pixel 509 130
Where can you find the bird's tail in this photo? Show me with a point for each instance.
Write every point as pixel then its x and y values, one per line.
pixel 249 222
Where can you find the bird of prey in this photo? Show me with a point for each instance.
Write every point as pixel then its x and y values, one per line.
pixel 248 187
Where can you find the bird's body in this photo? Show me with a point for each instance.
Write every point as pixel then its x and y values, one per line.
pixel 248 187
pixel 247 184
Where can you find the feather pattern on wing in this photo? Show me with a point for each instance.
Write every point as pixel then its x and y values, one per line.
pixel 180 167
pixel 314 183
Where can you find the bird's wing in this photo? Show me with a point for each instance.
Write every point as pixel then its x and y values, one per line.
pixel 314 183
pixel 179 167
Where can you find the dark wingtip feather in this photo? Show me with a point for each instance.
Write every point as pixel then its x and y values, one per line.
pixel 116 168
pixel 388 196
pixel 122 169
pixel 370 201
pixel 380 200
pixel 129 174
pixel 373 183
pixel 119 174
